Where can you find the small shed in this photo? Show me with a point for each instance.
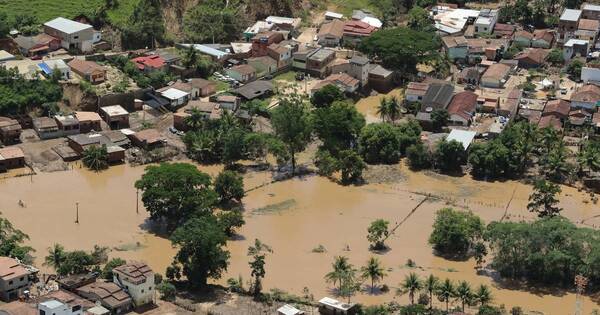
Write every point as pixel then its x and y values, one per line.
pixel 465 137
pixel 289 310
pixel 148 139
pixel 115 116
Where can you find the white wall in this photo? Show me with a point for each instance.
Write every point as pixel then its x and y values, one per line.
pixel 590 74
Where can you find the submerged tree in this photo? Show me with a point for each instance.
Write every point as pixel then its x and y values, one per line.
pixel 95 158
pixel 378 233
pixel 543 200
pixel 340 265
pixel 373 270
pixel 445 291
pixel 411 285
pixel 257 264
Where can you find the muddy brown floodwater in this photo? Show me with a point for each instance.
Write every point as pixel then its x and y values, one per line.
pixel 293 217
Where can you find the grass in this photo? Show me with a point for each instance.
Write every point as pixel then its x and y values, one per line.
pixel 286 76
pixel 276 207
pixel 347 6
pixel 46 10
pixel 221 86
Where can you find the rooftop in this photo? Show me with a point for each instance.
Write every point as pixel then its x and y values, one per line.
pixel 335 304
pixel 570 15
pixel 136 272
pixel 85 66
pixel 10 268
pixel 465 137
pixel 173 94
pixel 87 116
pixel 114 110
pixel 67 26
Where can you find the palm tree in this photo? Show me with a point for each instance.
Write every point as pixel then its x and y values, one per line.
pixel 589 157
pixel 195 120
pixel 464 293
pixel 373 270
pixel 383 110
pixel 411 284
pixel 56 256
pixel 445 291
pixel 483 294
pixel 393 108
pixel 340 267
pixel 430 285
pixel 95 158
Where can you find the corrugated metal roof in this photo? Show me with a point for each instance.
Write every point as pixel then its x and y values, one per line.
pixel 66 25
pixel 570 15
pixel 463 136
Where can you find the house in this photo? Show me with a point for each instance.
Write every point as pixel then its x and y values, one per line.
pixel 15 278
pixel 79 143
pixel 469 75
pixel 149 63
pixel 148 139
pixel 205 108
pixel 588 30
pixel 264 65
pixel 462 108
pixel 10 131
pixel 72 35
pixel 284 25
pixel 486 48
pixel 56 307
pixel 137 279
pixel 523 38
pixel 117 137
pixel 504 30
pixel 202 87
pixel 108 294
pixel 256 28
pixel 452 21
pixel 287 309
pixel 575 48
pixel 586 97
pixel 115 116
pixel 76 304
pixel 380 78
pixel 175 96
pixel 590 11
pixel 495 76
pixel 329 306
pixel 88 70
pixel 49 66
pixel 88 121
pixel 509 105
pixel 242 73
pixel 282 54
pixel 331 34
pixel 72 282
pixel 558 108
pixel 36 45
pixel 317 61
pixel 330 16
pixel 228 102
pixel 485 22
pixel 579 117
pixel 588 74
pixel 11 157
pixel 343 81
pixel 415 91
pixel 67 124
pixel 214 53
pixel 465 137
pixel 438 96
pixel 262 41
pixel 359 69
pixel 532 58
pixel 46 128
pixel 567 24
pixel 542 39
pixel 355 31
pixel 252 90
pixel 456 47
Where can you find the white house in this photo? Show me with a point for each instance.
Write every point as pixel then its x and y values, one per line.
pixel 485 22
pixel 575 47
pixel 590 75
pixel 73 35
pixel 49 66
pixel 176 97
pixel 54 307
pixel 138 280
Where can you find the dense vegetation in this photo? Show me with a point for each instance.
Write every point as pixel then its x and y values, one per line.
pixel 12 242
pixel 455 233
pixel 18 94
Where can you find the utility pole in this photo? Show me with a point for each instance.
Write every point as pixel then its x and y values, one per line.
pixel 137 201
pixel 77 212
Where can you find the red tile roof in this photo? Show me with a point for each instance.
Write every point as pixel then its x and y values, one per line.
pixel 155 62
pixel 463 104
pixel 358 28
pixel 560 107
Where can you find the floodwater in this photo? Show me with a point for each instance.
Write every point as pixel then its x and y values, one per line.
pixel 293 217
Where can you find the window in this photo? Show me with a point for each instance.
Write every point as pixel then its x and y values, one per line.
pixel 22 278
pixel 150 288
pixel 142 290
pixel 42 312
pixel 10 282
pixel 76 308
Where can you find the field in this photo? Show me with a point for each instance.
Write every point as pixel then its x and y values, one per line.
pixel 46 10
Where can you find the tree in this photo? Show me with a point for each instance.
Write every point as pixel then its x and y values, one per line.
pixel 190 57
pixel 455 232
pixel 543 200
pixel 145 26
pixel 338 125
pixel 107 271
pixel 401 48
pixel 212 21
pixel 373 270
pixel 380 143
pixel 291 124
pixel 79 261
pixel 378 233
pixel 449 156
pixel 195 120
pixel 383 109
pixel 229 185
pixel 439 119
pixel 351 166
pixel 95 158
pixel 326 96
pixel 431 284
pixel 257 265
pixel 4 25
pixel 56 256
pixel 483 295
pixel 201 242
pixel 464 294
pixel 167 290
pixel 490 160
pixel 445 291
pixel 418 156
pixel 11 242
pixel 349 283
pixel 411 285
pixel 589 156
pixel 418 19
pixel 574 69
pixel 175 191
pixel 326 163
pixel 479 251
pixel 19 94
pixel 555 57
pixel 230 220
pixel 340 265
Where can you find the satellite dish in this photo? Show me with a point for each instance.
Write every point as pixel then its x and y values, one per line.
pixel 429 109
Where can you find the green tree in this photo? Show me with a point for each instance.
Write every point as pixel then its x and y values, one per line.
pixel 383 109
pixel 479 251
pixel 56 256
pixel 4 25
pixel 377 233
pixel 411 285
pixel 230 220
pixel 439 119
pixel 490 160
pixel 373 270
pixel 589 156
pixel 202 254
pixel 257 265
pixel 455 232
pixel 351 166
pixel 431 284
pixel 145 27
pixel 176 191
pixel 229 185
pixel 107 271
pixel 418 156
pixel 189 58
pixel 574 69
pixel 418 19
pixel 212 21
pixel 349 283
pixel 195 120
pixel 326 163
pixel 167 290
pixel 380 143
pixel 339 266
pixel 338 125
pixel 464 293
pixel 483 295
pixel 555 57
pixel 401 48
pixel 445 291
pixel 543 200
pixel 11 242
pixel 291 123
pixel 326 96
pixel 449 156
pixel 95 158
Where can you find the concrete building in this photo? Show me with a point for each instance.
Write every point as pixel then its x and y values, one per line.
pixel 355 31
pixel 11 157
pixel 202 87
pixel 115 116
pixel 415 91
pixel 575 48
pixel 49 66
pixel 14 279
pixel 148 139
pixel 456 47
pixel 89 121
pixel 138 280
pixel 262 41
pixel 485 22
pixel 176 97
pixel 55 307
pixel 331 34
pixel 242 73
pixel 67 124
pixel 72 35
pixel 590 11
pixel 282 53
pixel 317 61
pixel 108 294
pixel 329 306
pixel 567 24
pixel 10 131
pixel 452 21
pixel 462 108
pixel 46 128
pixel 495 76
pixel 88 70
pixel 588 74
pixel 359 69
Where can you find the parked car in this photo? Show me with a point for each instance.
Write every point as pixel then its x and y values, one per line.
pixel 268 77
pixel 299 76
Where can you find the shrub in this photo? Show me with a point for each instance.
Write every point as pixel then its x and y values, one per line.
pixel 455 232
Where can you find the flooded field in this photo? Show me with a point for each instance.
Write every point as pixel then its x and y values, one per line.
pixel 294 217
pixel 368 105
